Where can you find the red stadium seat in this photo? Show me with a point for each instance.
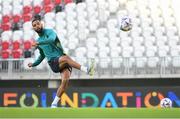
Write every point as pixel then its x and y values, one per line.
pixel 47 2
pixel 57 2
pixel 16 44
pixel 17 53
pixel 27 17
pixel 27 44
pixel 37 9
pixel 6 26
pixel 5 54
pixel 48 8
pixel 27 9
pixel 16 18
pixel 68 1
pixel 6 19
pixel 5 45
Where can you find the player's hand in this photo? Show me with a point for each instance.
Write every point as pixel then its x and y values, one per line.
pixel 34 44
pixel 30 65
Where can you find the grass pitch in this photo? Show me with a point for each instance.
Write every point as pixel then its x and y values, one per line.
pixel 90 113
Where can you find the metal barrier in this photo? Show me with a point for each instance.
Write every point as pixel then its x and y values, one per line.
pixel 140 67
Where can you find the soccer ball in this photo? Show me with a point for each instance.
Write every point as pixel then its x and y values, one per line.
pixel 166 103
pixel 126 23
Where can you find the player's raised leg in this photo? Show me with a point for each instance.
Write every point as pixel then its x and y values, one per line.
pixel 65 75
pixel 88 69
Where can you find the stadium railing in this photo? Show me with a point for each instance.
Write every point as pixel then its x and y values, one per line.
pixel 140 67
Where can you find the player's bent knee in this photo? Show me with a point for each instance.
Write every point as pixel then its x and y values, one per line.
pixel 64 59
pixel 64 65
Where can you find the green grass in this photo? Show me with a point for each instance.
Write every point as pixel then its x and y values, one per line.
pixel 89 113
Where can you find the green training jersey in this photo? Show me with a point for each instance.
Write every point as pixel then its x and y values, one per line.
pixel 49 46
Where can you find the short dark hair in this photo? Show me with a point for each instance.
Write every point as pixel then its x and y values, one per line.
pixel 36 17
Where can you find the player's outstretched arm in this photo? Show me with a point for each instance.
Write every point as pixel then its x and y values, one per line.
pixel 39 60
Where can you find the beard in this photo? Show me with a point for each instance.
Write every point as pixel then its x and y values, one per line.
pixel 39 31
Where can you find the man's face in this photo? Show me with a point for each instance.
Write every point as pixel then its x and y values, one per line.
pixel 37 26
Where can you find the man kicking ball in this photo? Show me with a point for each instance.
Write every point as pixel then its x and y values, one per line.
pixel 50 47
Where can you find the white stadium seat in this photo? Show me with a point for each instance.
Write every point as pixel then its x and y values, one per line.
pixel 152 62
pixel 115 51
pixel 148 31
pixel 6 35
pixel 141 62
pixel 17 35
pixel 37 2
pixel 127 52
pixel 17 9
pixel 80 52
pixel 151 51
pixel 27 26
pixel 92 52
pixel 116 63
pixel 113 6
pixel 27 2
pixel 163 51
